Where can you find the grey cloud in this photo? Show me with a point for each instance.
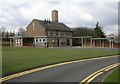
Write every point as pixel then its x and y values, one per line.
pixel 73 13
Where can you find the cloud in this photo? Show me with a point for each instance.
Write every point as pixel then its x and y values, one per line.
pixel 111 29
pixel 17 13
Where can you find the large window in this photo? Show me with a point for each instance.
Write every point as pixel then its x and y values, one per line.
pixel 54 34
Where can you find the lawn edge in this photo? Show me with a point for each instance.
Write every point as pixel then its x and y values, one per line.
pixel 109 73
pixel 27 69
pixel 50 66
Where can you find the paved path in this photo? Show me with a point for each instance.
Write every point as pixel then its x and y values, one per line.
pixel 67 73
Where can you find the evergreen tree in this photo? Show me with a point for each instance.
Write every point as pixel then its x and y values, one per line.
pixel 99 31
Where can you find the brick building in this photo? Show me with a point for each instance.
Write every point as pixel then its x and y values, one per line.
pixel 46 33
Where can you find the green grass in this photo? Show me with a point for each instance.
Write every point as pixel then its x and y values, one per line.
pixel 113 77
pixel 17 59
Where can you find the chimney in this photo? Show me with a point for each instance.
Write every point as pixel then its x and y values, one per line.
pixel 54 16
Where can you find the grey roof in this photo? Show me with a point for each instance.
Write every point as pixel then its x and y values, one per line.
pixel 57 26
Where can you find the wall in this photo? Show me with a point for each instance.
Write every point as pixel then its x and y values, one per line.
pixel 58 38
pixel 36 30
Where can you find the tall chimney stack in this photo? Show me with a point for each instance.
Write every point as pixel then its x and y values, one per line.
pixel 54 16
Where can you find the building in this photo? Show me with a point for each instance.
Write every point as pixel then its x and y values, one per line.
pixel 46 33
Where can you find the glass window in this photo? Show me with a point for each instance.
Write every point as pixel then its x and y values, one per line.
pixel 58 33
pixel 69 34
pixel 53 40
pixel 48 33
pixel 43 40
pixel 18 40
pixel 36 40
pixel 40 40
pixel 63 33
pixel 53 33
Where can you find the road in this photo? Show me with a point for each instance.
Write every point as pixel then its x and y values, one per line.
pixel 75 72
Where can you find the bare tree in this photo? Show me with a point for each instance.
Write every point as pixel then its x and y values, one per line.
pixel 21 32
pixel 6 35
pixel 2 31
pixel 83 31
pixel 12 33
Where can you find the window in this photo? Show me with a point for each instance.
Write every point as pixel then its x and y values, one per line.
pixel 63 33
pixel 69 34
pixel 17 40
pixel 43 40
pixel 54 33
pixel 60 40
pixel 48 33
pixel 53 40
pixel 39 40
pixel 58 33
pixel 33 26
pixel 36 40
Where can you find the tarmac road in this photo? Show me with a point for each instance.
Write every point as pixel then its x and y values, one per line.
pixel 75 72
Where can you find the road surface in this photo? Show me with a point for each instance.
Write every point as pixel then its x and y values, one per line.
pixel 75 72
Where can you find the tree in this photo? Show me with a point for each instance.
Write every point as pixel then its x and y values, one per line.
pixel 21 32
pixel 83 31
pixel 2 31
pixel 6 36
pixel 98 31
pixel 12 34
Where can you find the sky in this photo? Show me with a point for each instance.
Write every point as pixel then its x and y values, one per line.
pixel 15 14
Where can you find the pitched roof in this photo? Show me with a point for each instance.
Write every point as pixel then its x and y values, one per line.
pixel 57 26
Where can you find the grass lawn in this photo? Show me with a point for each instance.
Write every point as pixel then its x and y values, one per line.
pixel 17 59
pixel 113 77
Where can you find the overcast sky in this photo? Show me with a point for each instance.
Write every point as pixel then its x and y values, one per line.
pixel 74 13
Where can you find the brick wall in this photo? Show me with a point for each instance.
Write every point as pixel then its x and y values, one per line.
pixel 36 30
